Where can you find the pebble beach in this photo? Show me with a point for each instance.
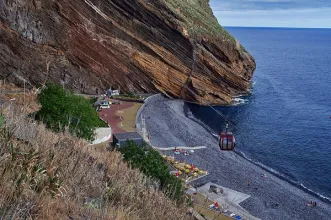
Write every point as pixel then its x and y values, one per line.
pixel 168 125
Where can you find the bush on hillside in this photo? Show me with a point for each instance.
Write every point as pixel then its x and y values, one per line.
pixel 61 109
pixel 151 163
pixel 56 176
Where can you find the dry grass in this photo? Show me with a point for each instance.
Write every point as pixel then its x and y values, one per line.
pixel 56 176
pixel 19 99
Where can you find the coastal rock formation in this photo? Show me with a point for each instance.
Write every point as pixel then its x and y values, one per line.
pixel 169 46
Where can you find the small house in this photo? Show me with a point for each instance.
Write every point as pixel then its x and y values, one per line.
pixel 111 92
pixel 120 139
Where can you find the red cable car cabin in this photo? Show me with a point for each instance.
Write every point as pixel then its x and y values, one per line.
pixel 227 141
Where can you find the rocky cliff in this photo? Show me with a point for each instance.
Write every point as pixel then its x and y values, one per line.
pixel 173 46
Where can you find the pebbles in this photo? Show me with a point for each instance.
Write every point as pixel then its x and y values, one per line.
pixel 271 197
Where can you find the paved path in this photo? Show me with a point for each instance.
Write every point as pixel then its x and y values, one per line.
pixel 190 180
pixel 110 117
pixel 179 148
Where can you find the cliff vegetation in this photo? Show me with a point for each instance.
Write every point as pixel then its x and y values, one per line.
pixel 169 46
pixel 46 175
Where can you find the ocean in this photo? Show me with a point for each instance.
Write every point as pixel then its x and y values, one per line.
pixel 284 126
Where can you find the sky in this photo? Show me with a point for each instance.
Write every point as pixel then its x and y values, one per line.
pixel 273 13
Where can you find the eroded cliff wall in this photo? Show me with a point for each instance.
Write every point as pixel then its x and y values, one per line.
pixel 172 46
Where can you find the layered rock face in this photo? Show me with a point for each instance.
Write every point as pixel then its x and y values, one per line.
pixel 170 46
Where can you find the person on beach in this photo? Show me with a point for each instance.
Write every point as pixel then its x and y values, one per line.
pixel 312 204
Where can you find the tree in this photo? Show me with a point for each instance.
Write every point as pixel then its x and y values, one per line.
pixel 61 109
pixel 151 163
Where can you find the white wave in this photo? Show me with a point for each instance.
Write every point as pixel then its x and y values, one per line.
pixel 215 135
pixel 288 179
pixel 263 166
pixel 239 101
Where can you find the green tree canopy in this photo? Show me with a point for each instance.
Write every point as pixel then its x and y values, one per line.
pixel 62 109
pixel 151 163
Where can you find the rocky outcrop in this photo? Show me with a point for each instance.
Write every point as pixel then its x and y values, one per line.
pixel 169 46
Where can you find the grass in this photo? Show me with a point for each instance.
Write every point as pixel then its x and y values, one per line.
pixel 129 118
pixel 27 100
pixel 197 18
pixel 46 175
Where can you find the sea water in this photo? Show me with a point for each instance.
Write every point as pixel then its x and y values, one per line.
pixel 285 124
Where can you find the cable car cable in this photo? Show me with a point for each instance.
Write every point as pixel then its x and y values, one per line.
pixel 208 104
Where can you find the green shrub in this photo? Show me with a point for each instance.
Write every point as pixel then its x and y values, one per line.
pixel 197 18
pixel 62 109
pixel 93 100
pixel 151 163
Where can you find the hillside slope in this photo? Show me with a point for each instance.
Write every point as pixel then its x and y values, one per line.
pixel 141 46
pixel 46 175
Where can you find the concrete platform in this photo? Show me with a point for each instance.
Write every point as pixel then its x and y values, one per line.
pixel 179 148
pixel 229 199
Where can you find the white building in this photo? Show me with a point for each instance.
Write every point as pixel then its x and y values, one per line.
pixel 111 92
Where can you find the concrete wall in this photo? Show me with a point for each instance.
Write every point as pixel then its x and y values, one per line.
pixel 139 142
pixel 102 135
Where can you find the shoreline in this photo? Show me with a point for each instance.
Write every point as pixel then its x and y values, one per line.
pixel 262 166
pixel 168 126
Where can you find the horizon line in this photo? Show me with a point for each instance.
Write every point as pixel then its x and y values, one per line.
pixel 276 27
